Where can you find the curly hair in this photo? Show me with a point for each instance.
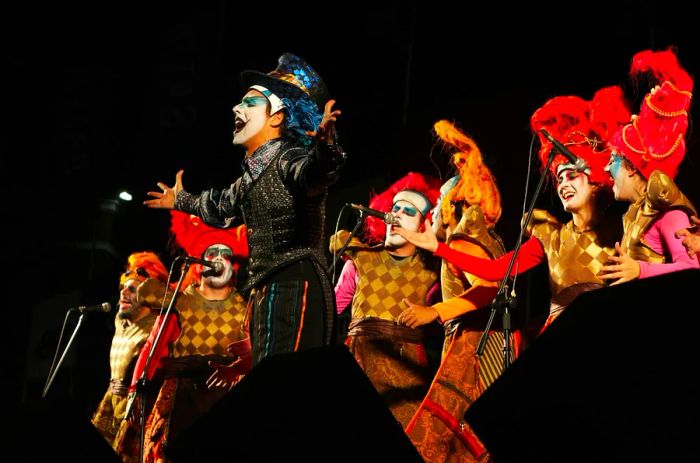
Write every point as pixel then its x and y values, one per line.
pixel 476 185
pixel 302 116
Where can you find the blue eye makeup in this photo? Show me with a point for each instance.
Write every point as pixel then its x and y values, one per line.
pixel 408 210
pixel 250 101
pixel 614 165
pixel 211 253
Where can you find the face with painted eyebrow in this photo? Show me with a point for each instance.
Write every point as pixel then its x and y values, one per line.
pixel 250 114
pixel 574 189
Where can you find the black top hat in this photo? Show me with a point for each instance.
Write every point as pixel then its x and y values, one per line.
pixel 293 78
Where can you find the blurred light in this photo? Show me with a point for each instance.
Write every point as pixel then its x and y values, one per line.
pixel 125 196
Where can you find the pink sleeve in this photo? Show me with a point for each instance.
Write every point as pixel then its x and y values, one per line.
pixel 345 288
pixel 661 237
pixel 531 253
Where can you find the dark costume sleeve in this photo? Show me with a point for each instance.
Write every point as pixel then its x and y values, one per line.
pixel 218 208
pixel 309 170
pixel 312 170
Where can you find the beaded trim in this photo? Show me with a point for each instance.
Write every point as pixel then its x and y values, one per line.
pixel 645 152
pixel 663 113
pixel 592 142
pixel 687 93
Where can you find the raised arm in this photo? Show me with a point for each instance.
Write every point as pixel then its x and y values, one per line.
pixel 165 199
pixel 531 254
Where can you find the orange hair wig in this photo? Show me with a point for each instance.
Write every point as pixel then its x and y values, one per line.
pixel 143 265
pixel 476 185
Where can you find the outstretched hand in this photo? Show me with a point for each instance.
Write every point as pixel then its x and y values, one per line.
pixel 621 268
pixel 416 315
pixel 691 237
pixel 165 199
pixel 324 133
pixel 227 376
pixel 424 240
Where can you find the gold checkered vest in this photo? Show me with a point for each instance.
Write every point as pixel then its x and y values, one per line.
pixel 662 194
pixel 383 281
pixel 208 327
pixel 126 344
pixel 471 228
pixel 574 257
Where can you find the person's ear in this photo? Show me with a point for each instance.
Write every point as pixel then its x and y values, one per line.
pixel 631 170
pixel 425 223
pixel 276 119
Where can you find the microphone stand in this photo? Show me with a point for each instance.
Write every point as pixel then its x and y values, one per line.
pixel 52 370
pixel 141 385
pixel 503 301
pixel 338 253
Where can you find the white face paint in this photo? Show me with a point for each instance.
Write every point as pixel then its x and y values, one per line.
pixel 406 216
pixel 250 117
pixel 574 189
pixel 219 253
pixel 127 299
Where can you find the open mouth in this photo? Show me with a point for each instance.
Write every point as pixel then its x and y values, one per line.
pixel 567 195
pixel 394 226
pixel 238 125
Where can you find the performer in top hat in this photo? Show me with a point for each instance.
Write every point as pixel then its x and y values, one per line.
pixel 285 124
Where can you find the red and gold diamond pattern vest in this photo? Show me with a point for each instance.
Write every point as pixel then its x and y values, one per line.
pixel 574 257
pixel 384 281
pixel 208 327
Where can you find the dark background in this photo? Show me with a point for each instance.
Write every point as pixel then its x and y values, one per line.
pixel 99 99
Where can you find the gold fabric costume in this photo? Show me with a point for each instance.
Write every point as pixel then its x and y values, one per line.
pixel 574 257
pixel 662 194
pixel 392 356
pixel 438 429
pixel 471 228
pixel 208 327
pixel 385 280
pixel 126 344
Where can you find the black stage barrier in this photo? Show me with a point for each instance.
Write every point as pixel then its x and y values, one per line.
pixel 611 380
pixel 315 405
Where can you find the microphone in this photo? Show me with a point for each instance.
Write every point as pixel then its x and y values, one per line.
pixel 216 266
pixel 387 217
pixel 104 307
pixel 579 164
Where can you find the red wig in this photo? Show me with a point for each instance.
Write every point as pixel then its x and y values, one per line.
pixel 584 127
pixel 655 139
pixel 194 237
pixel 429 187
